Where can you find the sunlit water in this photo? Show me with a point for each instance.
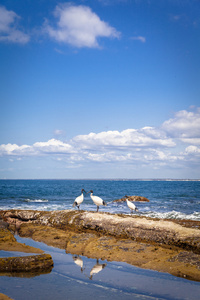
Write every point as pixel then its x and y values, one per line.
pixel 77 277
pixel 168 199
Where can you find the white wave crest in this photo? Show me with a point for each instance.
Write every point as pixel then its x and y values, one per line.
pixel 36 200
pixel 174 215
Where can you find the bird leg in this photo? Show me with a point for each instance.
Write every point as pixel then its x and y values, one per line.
pixel 97 208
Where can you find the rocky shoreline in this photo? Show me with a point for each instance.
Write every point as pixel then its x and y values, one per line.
pixel 162 245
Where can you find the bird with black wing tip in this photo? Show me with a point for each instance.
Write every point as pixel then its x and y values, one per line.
pixel 97 200
pixel 79 199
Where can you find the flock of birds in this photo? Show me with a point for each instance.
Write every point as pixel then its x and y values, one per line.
pixel 98 201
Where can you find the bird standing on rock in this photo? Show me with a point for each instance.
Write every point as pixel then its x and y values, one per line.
pixel 97 200
pixel 131 205
pixel 79 199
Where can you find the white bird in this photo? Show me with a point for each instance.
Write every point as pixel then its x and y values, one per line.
pixel 97 268
pixel 97 200
pixel 131 205
pixel 79 199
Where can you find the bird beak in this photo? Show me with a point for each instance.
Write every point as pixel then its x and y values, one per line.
pixel 88 192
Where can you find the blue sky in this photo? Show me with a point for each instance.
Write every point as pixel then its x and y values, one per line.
pixel 100 89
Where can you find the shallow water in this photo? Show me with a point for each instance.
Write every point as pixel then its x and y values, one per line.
pixel 168 199
pixel 71 278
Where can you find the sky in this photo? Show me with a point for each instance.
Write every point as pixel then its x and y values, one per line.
pixel 100 89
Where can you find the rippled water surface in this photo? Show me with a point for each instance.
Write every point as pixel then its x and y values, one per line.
pixel 168 199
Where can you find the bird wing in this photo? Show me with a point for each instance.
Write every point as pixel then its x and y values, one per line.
pixel 97 200
pixel 79 199
pixel 130 205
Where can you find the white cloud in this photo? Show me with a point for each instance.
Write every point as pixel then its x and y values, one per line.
pixel 185 125
pixel 146 147
pixel 193 141
pixel 13 149
pixel 58 132
pixel 145 137
pixel 192 150
pixel 139 38
pixel 109 157
pixel 79 26
pixel 52 146
pixel 8 27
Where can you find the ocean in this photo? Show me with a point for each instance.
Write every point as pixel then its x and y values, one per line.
pixel 169 199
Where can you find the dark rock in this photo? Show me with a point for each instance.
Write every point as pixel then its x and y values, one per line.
pixel 26 263
pixel 3 224
pixel 133 199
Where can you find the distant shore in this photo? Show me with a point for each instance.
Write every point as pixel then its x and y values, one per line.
pixel 117 179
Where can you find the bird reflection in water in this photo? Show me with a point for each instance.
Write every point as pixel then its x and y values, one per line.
pixel 97 268
pixel 78 261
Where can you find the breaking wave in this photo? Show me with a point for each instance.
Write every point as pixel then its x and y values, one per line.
pixel 173 215
pixel 36 200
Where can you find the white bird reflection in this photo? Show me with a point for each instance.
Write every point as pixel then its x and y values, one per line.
pixel 78 261
pixel 97 268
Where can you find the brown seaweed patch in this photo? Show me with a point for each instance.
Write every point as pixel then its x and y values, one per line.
pixel 33 263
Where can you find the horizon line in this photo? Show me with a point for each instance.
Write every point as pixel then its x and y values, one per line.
pixel 131 179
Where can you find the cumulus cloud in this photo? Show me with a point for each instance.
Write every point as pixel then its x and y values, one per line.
pixel 52 146
pixel 155 147
pixel 9 31
pixel 145 137
pixel 79 26
pixel 192 150
pixel 14 149
pixel 185 125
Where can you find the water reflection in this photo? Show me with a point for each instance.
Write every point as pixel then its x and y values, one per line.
pixel 26 274
pixel 78 261
pixel 95 269
pixel 117 281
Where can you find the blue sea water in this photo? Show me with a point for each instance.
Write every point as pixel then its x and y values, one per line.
pixel 169 199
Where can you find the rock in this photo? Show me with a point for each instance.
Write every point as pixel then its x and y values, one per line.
pixel 132 198
pixel 26 263
pixel 162 232
pixel 9 243
pixel 164 245
pixel 3 224
pixel 35 264
pixel 4 297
